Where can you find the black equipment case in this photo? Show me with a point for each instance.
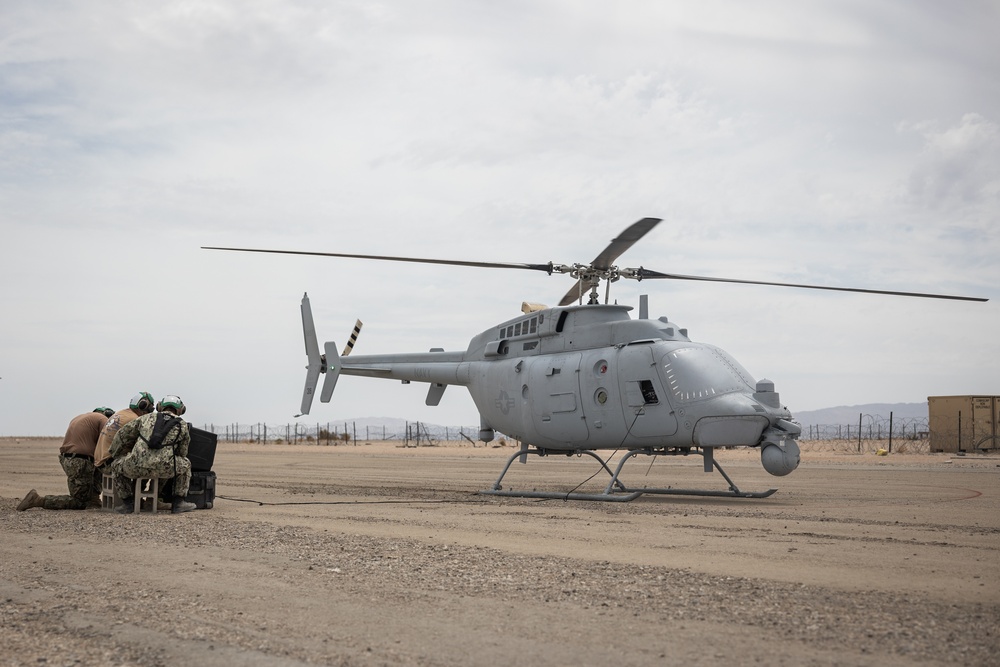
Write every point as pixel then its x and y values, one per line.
pixel 202 489
pixel 201 453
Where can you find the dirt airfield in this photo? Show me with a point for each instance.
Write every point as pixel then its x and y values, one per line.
pixel 376 554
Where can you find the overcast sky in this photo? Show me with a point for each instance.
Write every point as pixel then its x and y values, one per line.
pixel 838 143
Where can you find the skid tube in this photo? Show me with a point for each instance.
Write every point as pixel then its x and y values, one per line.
pixel 616 491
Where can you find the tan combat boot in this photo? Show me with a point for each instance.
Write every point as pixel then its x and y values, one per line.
pixel 31 499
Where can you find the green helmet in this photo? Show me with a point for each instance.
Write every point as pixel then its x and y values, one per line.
pixel 107 412
pixel 143 401
pixel 171 402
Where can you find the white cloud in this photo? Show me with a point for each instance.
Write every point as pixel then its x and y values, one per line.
pixel 959 166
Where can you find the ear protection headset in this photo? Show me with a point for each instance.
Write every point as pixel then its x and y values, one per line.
pixel 172 402
pixel 143 402
pixel 107 412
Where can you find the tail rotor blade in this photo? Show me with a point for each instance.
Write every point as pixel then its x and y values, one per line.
pixel 354 338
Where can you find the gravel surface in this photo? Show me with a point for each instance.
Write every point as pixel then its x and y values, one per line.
pixel 408 573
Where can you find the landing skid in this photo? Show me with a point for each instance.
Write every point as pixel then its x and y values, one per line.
pixel 616 491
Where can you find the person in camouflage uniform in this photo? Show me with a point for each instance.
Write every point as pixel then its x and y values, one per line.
pixel 154 445
pixel 76 456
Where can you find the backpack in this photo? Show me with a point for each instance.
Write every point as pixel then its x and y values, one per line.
pixel 161 429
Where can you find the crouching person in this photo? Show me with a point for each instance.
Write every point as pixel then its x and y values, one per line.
pixel 76 456
pixel 159 445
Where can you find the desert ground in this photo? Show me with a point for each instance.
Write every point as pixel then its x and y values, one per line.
pixel 375 554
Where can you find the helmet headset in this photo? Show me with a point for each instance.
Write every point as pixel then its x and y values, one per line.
pixel 142 402
pixel 173 402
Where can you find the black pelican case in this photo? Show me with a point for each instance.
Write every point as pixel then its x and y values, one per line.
pixel 202 489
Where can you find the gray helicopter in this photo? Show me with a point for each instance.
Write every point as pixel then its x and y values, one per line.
pixel 578 378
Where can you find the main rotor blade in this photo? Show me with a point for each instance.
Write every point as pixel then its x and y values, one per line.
pixel 624 241
pixel 646 274
pixel 576 293
pixel 606 259
pixel 420 260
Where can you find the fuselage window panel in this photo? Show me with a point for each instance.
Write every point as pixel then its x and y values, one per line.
pixel 648 392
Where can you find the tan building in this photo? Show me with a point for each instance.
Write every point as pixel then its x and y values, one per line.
pixel 964 423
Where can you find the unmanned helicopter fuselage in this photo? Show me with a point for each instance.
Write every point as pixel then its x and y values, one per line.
pixel 590 377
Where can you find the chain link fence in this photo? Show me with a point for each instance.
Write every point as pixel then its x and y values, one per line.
pixel 413 434
pixel 870 434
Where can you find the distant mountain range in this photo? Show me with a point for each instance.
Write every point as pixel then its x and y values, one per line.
pixel 848 414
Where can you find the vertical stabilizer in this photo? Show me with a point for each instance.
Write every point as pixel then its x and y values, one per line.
pixel 332 369
pixel 315 365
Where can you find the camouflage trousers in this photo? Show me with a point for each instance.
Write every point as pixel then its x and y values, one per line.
pixel 84 482
pixel 129 468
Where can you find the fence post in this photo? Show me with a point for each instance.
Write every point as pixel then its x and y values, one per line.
pixel 859 432
pixel 890 432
